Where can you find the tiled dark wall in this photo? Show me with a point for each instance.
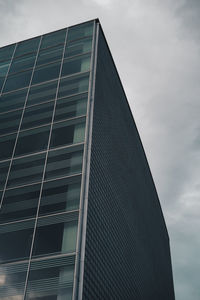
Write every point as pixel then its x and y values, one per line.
pixel 127 247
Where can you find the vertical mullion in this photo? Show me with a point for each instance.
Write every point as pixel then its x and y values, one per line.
pixel 44 169
pixel 18 131
pixel 11 60
pixel 81 234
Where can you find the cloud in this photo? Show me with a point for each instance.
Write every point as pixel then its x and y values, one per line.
pixel 156 49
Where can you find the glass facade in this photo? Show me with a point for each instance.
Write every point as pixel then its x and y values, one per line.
pixel 44 85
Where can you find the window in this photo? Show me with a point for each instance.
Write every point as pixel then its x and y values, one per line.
pixel 56 235
pixel 17 81
pixel 6 145
pixel 7 52
pixel 3 171
pixel 30 45
pixel 68 132
pixel 80 31
pixel 60 195
pixel 50 54
pixel 64 162
pixel 12 100
pixel 26 170
pixel 73 85
pixel 76 65
pixel 42 93
pixel 32 140
pixel 10 121
pixel 53 38
pixel 21 63
pixel 45 73
pixel 37 115
pixel 12 278
pixel 78 47
pixel 20 203
pixel 51 279
pixel 71 107
pixel 15 240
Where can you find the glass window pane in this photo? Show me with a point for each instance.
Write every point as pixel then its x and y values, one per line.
pixel 6 52
pixel 60 195
pixel 73 85
pixel 6 145
pixel 4 68
pixel 42 93
pixel 50 55
pixel 46 72
pixel 64 162
pixel 20 203
pixel 15 240
pixel 12 100
pixel 69 132
pixel 80 31
pixel 17 81
pixel 26 170
pixel 3 171
pixel 53 38
pixel 71 107
pixel 56 234
pixel 27 46
pixel 78 47
pixel 32 140
pixel 51 279
pixel 76 65
pixel 21 63
pixel 37 115
pixel 10 121
pixel 12 281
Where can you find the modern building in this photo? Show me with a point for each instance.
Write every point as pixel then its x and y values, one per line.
pixel 80 217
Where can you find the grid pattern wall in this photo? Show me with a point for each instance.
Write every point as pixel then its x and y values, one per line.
pixel 43 109
pixel 127 248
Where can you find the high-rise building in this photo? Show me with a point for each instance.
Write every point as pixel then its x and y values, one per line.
pixel 80 217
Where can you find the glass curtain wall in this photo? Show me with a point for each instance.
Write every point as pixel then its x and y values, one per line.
pixel 44 85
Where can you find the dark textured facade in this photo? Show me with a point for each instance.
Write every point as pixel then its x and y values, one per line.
pixel 80 218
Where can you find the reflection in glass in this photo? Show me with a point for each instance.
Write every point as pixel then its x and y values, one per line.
pixel 12 281
pixel 6 52
pixel 71 107
pixel 26 170
pixel 49 55
pixel 73 85
pixel 3 171
pixel 30 45
pixel 51 279
pixel 78 47
pixel 46 72
pixel 68 132
pixel 4 68
pixel 20 203
pixel 80 31
pixel 56 234
pixel 42 93
pixel 53 38
pixel 17 81
pixel 64 162
pixel 76 65
pixel 10 121
pixel 22 63
pixel 32 140
pixel 60 195
pixel 15 240
pixel 12 100
pixel 6 146
pixel 37 115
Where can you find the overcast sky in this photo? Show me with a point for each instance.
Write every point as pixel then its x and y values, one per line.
pixel 156 48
